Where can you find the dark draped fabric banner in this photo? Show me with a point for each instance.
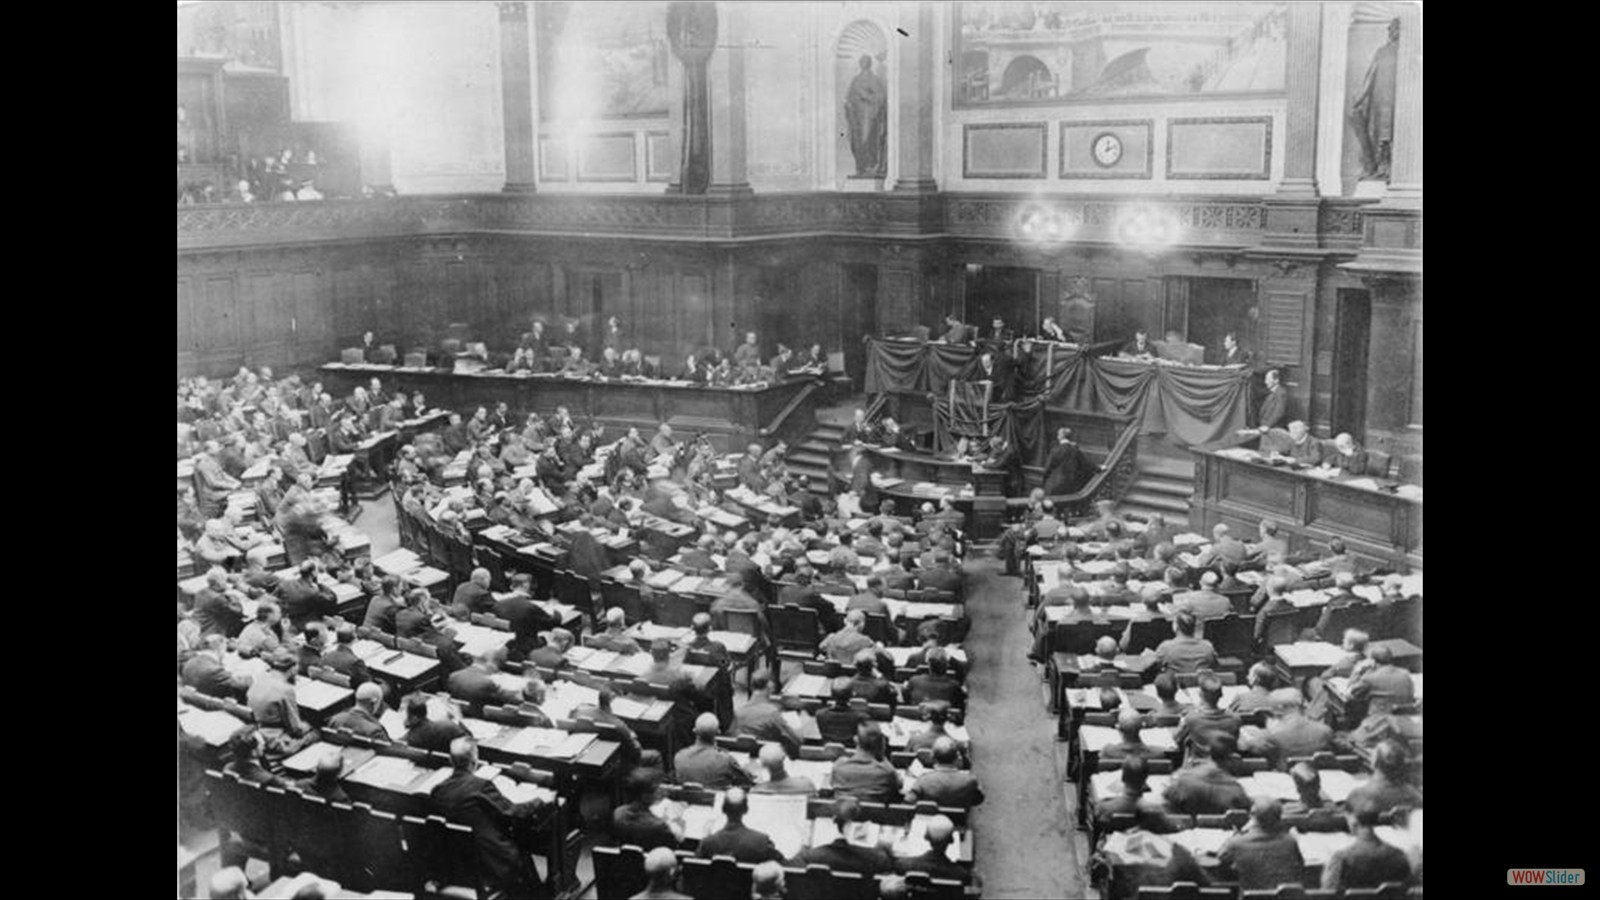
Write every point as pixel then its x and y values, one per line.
pixel 1022 424
pixel 1192 405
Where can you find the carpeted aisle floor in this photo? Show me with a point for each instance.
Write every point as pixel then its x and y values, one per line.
pixel 1027 844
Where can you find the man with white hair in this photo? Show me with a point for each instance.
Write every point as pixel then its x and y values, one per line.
pixel 1224 546
pixel 661 868
pixel 843 645
pixel 362 718
pixel 230 884
pixel 1204 603
pixel 1303 448
pixel 612 638
pixel 779 781
pixel 1347 455
pixel 766 882
pixel 474 593
pixel 935 861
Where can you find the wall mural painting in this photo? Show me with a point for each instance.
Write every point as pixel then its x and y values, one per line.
pixel 1060 52
pixel 602 60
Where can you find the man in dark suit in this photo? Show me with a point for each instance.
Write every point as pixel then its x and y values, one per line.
pixel 860 431
pixel 999 335
pixel 1066 469
pixel 763 718
pixel 945 783
pixel 997 369
pixel 342 657
pixel 701 642
pixel 304 599
pixel 634 823
pixel 937 683
pixel 941 576
pixel 735 839
pixel 475 684
pixel 861 480
pixel 1384 686
pixel 1206 787
pixel 867 684
pixel 839 722
pixel 865 774
pixel 1263 855
pixel 216 609
pixel 804 595
pixel 429 734
pixel 472 801
pixel 1004 458
pixel 362 718
pixel 474 592
pixel 1050 330
pixel 1365 862
pixel 1347 455
pixel 1183 652
pixel 1274 410
pixel 1232 354
pixel 527 618
pixel 1197 729
pixel 839 854
pixel 1140 346
pixel 1148 812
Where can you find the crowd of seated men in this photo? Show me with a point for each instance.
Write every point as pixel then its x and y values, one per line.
pixel 1269 721
pixel 228 426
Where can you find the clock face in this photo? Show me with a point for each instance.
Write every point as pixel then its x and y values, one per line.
pixel 1107 150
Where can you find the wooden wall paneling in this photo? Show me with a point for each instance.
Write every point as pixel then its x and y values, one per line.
pixel 219 330
pixel 1107 293
pixel 313 331
pixel 186 329
pixel 1284 320
pixel 694 313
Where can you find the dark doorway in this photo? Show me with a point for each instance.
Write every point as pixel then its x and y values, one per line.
pixel 1220 306
pixel 858 316
pixel 1352 332
pixel 1004 291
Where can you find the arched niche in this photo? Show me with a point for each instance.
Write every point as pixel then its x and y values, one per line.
pixel 859 37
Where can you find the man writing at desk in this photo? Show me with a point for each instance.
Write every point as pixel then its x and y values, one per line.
pixel 1347 456
pixel 1049 330
pixel 955 332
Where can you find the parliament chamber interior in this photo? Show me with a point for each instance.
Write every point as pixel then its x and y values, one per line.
pixel 799 449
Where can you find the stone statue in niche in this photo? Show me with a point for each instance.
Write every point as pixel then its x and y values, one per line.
pixel 1372 113
pixel 866 110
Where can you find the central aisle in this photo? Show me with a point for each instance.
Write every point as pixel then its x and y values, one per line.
pixel 1027 841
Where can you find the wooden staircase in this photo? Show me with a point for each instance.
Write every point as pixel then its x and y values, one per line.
pixel 813 456
pixel 1163 485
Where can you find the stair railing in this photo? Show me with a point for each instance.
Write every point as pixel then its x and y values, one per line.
pixel 1116 476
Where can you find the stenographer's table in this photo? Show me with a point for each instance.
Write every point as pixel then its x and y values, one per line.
pixel 735 415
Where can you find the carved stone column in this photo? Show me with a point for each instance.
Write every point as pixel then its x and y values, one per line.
pixel 1331 100
pixel 516 96
pixel 725 75
pixel 914 117
pixel 1292 209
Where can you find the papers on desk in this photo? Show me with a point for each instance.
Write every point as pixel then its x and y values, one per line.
pixel 1098 566
pixel 1109 784
pixel 563 697
pixel 1190 696
pixel 628 707
pixel 804 685
pixel 1317 847
pixel 664 579
pixel 390 772
pixel 1190 539
pixel 1303 598
pixel 510 684
pixel 913 840
pixel 781 817
pixel 397 562
pixel 592 660
pixel 319 695
pixel 1207 841
pixel 1095 738
pixel 1269 784
pixel 210 725
pixel 1309 654
pixel 1337 784
pixel 551 743
pixel 1409 492
pixel 482 729
pixel 902 655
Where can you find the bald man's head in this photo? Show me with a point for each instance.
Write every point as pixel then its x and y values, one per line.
pixel 1129 721
pixel 369 696
pixel 701 623
pixel 773 758
pixel 615 618
pixel 940 832
pixel 706 728
pixel 944 751
pixel 661 867
pixel 767 880
pixel 464 754
pixel 330 764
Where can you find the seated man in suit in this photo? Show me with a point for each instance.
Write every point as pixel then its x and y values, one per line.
pixel 1302 447
pixel 1389 785
pixel 839 721
pixel 474 592
pixel 634 823
pixel 205 672
pixel 1344 596
pixel 1149 812
pixel 362 718
pixel 477 803
pixel 744 844
pixel 1264 693
pixel 1263 855
pixel 1288 735
pixel 865 773
pixel 1204 603
pixel 1272 548
pixel 613 638
pixel 1347 455
pixel 946 784
pixel 1206 787
pixel 937 684
pixel 779 781
pixel 843 645
pixel 1365 862
pixel 937 714
pixel 868 685
pixel 1312 811
pixel 1050 330
pixel 427 733
pixel 763 718
pixel 955 332
pixel 1232 354
pixel 1140 347
pixel 842 856
pixel 935 861
pixel 701 642
pixel 704 763
pixel 272 699
pixel 475 684
pixel 246 747
pixel 1184 653
pixel 1224 546
pixel 1129 724
pixel 1195 733
pixel 804 595
pixel 1383 687
pixel 342 657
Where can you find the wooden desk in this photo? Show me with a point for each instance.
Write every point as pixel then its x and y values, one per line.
pixel 923 474
pixel 405 671
pixel 1381 527
pixel 731 417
